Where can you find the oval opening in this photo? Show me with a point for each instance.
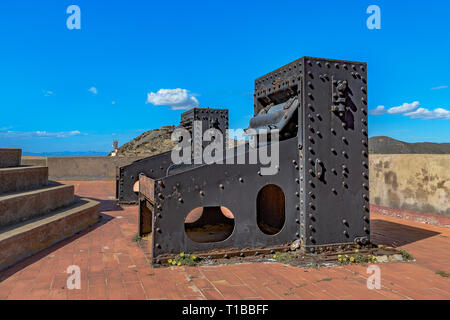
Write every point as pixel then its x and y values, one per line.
pixel 209 224
pixel 136 187
pixel 270 209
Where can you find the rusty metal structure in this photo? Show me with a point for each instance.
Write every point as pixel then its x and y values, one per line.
pixel 319 194
pixel 160 165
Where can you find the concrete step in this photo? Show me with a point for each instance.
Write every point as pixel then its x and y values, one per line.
pixel 20 206
pixel 10 157
pixel 27 238
pixel 22 178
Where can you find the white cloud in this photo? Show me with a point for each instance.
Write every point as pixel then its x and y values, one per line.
pixel 413 111
pixel 378 111
pixel 48 93
pixel 423 113
pixel 406 107
pixel 439 87
pixel 93 90
pixel 178 99
pixel 39 134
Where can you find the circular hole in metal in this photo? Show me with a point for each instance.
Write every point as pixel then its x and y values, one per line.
pixel 136 187
pixel 209 224
pixel 270 209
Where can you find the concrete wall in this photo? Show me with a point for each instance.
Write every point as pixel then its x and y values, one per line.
pixel 80 168
pixel 418 182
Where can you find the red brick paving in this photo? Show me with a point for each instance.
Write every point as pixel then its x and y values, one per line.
pixel 114 267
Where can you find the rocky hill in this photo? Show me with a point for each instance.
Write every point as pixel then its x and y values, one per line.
pixel 386 145
pixel 149 143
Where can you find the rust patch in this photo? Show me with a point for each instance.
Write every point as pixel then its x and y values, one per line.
pixel 393 199
pixel 408 193
pixel 390 177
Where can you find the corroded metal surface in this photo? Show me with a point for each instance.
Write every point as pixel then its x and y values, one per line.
pixel 319 194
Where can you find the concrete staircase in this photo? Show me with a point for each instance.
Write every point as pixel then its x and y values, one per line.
pixel 35 212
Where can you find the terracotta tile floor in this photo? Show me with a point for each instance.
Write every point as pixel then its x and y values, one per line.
pixel 114 267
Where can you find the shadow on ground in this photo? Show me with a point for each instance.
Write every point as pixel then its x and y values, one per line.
pixel 396 234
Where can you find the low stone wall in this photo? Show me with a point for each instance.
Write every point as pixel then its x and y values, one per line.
pixel 80 168
pixel 417 182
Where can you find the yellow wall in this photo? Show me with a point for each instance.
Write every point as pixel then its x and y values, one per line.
pixel 419 182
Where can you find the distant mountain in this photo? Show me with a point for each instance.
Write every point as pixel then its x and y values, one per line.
pixel 66 154
pixel 387 145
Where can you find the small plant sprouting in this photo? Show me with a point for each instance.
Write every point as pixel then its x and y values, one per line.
pixel 356 258
pixel 136 238
pixel 406 255
pixel 283 257
pixel 184 259
pixel 443 273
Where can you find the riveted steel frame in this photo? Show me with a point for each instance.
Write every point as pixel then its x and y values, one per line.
pixel 334 179
pixel 323 171
pixel 159 165
pixel 235 187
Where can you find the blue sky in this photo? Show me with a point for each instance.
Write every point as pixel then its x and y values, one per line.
pixel 77 90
